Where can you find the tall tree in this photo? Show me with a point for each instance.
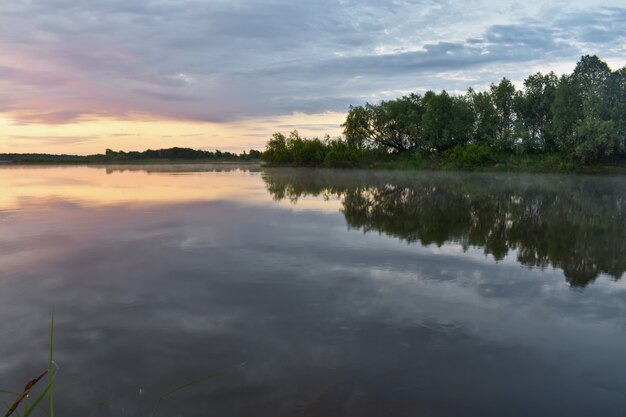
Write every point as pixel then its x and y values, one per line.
pixel 485 117
pixel 359 127
pixel 592 76
pixel 617 100
pixel 446 121
pixel 503 95
pixel 533 108
pixel 394 124
pixel 567 112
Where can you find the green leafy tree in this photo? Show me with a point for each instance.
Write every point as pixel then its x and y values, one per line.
pixel 503 95
pixel 446 122
pixel 617 100
pixel 485 117
pixel 276 151
pixel 358 128
pixel 592 76
pixel 533 108
pixel 305 152
pixel 392 125
pixel 583 112
pixel 567 112
pixel 597 140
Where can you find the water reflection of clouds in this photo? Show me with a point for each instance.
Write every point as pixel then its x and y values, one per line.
pixel 476 253
pixel 308 317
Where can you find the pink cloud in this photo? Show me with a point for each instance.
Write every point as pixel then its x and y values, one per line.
pixel 20 76
pixel 52 118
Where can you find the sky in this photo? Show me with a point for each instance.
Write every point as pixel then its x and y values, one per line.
pixel 82 76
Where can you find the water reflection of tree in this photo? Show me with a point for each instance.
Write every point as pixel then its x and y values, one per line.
pixel 573 223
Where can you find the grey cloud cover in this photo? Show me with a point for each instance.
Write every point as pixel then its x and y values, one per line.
pixel 224 60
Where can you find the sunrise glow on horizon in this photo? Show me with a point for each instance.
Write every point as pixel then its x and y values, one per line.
pixel 95 135
pixel 223 75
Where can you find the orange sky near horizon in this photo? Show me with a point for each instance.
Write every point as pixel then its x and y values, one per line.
pixel 91 135
pixel 81 77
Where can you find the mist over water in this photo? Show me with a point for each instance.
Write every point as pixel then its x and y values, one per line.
pixel 316 292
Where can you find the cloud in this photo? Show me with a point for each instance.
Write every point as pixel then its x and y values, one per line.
pixel 221 61
pixel 57 117
pixel 53 139
pixel 607 25
pixel 32 78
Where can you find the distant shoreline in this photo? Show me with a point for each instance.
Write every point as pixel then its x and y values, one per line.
pixel 133 162
pixel 150 156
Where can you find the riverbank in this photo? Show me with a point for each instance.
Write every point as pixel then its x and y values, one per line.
pixel 506 163
pixel 159 156
pixel 460 161
pixel 544 163
pixel 132 162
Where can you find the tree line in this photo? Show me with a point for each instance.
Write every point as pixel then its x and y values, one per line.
pixel 170 154
pixel 581 117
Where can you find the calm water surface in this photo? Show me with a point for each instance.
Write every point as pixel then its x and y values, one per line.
pixel 317 293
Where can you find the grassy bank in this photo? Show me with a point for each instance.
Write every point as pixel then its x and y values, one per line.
pixel 497 162
pixel 295 151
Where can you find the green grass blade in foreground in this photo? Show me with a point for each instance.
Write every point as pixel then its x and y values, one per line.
pixel 48 390
pixel 24 396
pixel 50 370
pixel 180 387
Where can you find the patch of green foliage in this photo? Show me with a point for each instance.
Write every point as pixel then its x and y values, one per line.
pixel 573 122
